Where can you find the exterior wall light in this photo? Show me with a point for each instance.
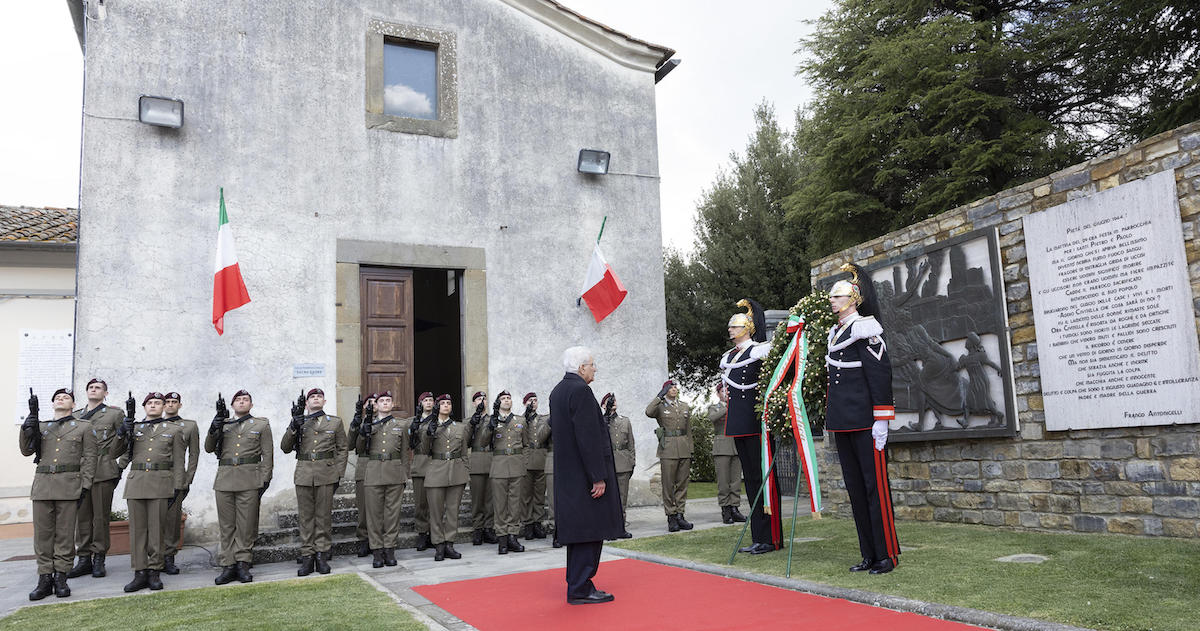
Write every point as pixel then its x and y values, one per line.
pixel 160 111
pixel 593 161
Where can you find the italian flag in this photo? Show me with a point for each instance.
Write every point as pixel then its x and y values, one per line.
pixel 602 289
pixel 229 290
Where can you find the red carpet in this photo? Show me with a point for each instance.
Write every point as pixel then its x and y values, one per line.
pixel 652 596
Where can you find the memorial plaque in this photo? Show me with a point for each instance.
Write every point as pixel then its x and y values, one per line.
pixel 43 363
pixel 1112 303
pixel 946 329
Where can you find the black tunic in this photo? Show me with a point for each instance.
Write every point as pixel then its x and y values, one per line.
pixel 860 376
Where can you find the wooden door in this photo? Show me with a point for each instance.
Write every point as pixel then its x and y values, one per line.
pixel 387 334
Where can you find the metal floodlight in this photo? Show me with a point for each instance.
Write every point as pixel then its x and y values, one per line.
pixel 160 111
pixel 593 161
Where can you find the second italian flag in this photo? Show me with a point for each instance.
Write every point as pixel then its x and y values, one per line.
pixel 229 290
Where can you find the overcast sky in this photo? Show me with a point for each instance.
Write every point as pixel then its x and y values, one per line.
pixel 734 56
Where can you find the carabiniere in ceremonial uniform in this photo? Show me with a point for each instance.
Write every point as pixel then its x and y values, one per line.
pixel 319 441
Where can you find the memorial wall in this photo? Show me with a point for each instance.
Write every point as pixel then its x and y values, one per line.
pixel 1092 347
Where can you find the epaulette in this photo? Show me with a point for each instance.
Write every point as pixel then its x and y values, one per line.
pixel 865 327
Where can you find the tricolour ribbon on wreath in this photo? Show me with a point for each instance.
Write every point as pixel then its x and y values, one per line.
pixel 795 357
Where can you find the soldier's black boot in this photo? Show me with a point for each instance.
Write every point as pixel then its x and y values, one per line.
pixel 736 515
pixel 389 557
pixel 153 580
pixel 140 581
pixel 527 532
pixel 503 547
pixel 539 531
pixel 672 523
pixel 169 566
pixel 83 565
pixel 98 565
pixel 364 548
pixel 377 561
pixel 477 537
pixel 424 542
pixel 439 552
pixel 307 565
pixel 489 536
pixel 683 523
pixel 61 589
pixel 323 563
pixel 227 575
pixel 514 544
pixel 44 588
pixel 725 517
pixel 243 572
pixel 450 552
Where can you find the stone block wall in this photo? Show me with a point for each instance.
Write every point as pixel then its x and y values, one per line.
pixel 1141 481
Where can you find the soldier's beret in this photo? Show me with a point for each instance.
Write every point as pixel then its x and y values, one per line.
pixel 425 395
pixel 504 393
pixel 173 395
pixel 528 396
pixel 241 393
pixel 99 381
pixel 66 391
pixel 155 395
pixel 479 394
pixel 314 391
pixel 604 400
pixel 668 383
pixel 444 397
pixel 384 393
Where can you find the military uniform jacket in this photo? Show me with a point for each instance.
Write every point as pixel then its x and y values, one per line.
pixel 860 376
pixel 480 460
pixel 448 455
pixel 674 420
pixel 420 458
pixel 68 447
pixel 247 440
pixel 191 439
pixel 385 461
pixel 509 441
pixel 722 444
pixel 323 450
pixel 740 367
pixel 535 453
pixel 620 431
pixel 105 420
pixel 157 467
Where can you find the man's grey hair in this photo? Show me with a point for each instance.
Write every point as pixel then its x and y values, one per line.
pixel 575 357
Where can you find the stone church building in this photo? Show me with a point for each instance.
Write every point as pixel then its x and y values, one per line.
pixel 404 183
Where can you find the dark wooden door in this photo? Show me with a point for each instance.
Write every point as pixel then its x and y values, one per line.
pixel 387 334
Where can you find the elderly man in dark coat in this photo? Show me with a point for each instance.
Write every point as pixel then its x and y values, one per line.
pixel 586 496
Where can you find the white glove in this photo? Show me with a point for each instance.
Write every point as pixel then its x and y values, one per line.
pixel 879 432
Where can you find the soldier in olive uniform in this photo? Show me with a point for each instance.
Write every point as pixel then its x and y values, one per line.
pixel 91 521
pixel 360 469
pixel 245 462
pixel 157 475
pixel 383 448
pixel 620 431
pixel 319 441
pixel 533 484
pixel 445 476
pixel 725 461
pixel 674 452
pixel 483 511
pixel 172 530
pixel 508 435
pixel 420 461
pixel 64 450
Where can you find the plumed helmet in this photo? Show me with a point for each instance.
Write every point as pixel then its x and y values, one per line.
pixel 754 320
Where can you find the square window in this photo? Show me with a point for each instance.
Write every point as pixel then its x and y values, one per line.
pixel 411 80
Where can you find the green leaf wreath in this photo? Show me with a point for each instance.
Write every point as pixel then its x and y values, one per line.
pixel 818 318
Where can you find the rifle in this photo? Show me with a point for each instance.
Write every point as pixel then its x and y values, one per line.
pixel 365 428
pixel 31 429
pixel 610 409
pixel 494 422
pixel 476 419
pixel 298 422
pixel 127 425
pixel 218 425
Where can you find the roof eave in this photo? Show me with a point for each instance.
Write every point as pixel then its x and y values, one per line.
pixel 617 46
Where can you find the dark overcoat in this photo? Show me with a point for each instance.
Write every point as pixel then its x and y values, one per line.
pixel 583 455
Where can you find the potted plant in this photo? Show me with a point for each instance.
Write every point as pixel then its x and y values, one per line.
pixel 118 532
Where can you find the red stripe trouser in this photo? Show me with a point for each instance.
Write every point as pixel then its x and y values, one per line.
pixel 864 470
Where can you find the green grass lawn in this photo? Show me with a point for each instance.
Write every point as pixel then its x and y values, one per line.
pixel 337 602
pixel 1098 581
pixel 698 490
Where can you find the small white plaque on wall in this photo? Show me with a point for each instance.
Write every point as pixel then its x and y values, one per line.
pixel 44 364
pixel 1112 305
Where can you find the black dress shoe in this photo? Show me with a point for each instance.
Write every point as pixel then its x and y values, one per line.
pixel 82 566
pixel 863 566
pixel 747 548
pixel 624 535
pixel 593 598
pixel 761 548
pixel 737 516
pixel 227 575
pixel 683 523
pixel 882 567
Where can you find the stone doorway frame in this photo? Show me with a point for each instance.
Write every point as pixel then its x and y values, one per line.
pixel 352 254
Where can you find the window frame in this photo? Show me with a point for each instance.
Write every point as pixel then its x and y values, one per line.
pixel 443 43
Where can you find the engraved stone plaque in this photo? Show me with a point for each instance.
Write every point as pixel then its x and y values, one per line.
pixel 1112 305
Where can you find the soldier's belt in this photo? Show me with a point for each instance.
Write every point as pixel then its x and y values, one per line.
pixel 509 452
pixel 385 456
pixel 233 462
pixel 320 455
pixel 480 450
pixel 57 468
pixel 152 466
pixel 452 455
pixel 675 432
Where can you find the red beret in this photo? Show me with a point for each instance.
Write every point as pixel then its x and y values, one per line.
pixel 604 400
pixel 668 383
pixel 99 381
pixel 528 396
pixel 424 395
pixel 444 397
pixel 66 391
pixel 240 393
pixel 504 393
pixel 314 391
pixel 156 395
pixel 172 395
pixel 481 393
pixel 381 394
